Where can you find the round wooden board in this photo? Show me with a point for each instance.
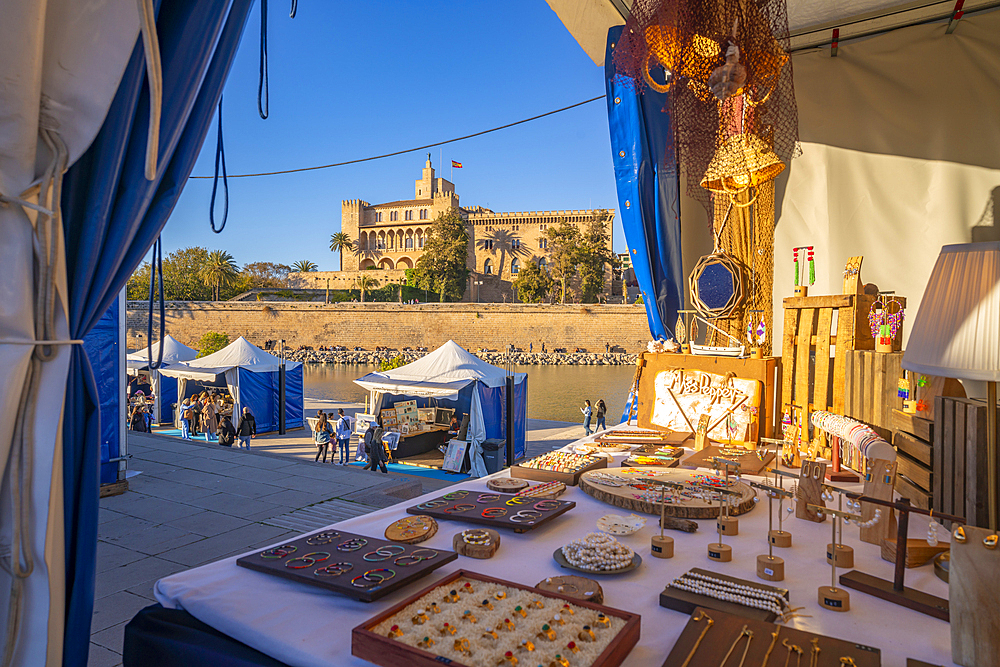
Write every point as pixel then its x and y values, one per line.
pixel 561 559
pixel 587 590
pixel 412 529
pixel 476 550
pixel 622 496
pixel 506 484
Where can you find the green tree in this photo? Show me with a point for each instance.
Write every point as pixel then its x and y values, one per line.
pixel 211 342
pixel 593 257
pixel 365 283
pixel 533 283
pixel 564 253
pixel 218 271
pixel 389 364
pixel 265 274
pixel 341 242
pixel 181 277
pixel 304 266
pixel 443 265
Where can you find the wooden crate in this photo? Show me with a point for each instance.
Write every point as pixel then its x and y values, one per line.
pixel 381 650
pixel 567 478
pixel 959 459
pixel 872 388
pixel 915 457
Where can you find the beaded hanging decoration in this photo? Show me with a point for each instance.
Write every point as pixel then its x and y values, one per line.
pixel 809 257
pixel 903 389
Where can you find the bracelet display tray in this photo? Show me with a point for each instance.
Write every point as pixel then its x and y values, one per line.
pixel 405 574
pixel 387 652
pixel 750 462
pixel 475 515
pixel 567 478
pixel 727 627
pixel 687 602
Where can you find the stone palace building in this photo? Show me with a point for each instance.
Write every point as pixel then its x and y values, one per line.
pixel 390 237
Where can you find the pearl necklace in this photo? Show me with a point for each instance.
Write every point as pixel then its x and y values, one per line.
pixel 748 596
pixel 598 552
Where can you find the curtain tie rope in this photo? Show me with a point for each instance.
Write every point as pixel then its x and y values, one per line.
pixel 6 199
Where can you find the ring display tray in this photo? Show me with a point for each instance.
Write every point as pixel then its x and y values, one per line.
pixel 268 561
pixel 382 650
pixel 501 509
pixel 725 632
pixel 750 462
pixel 687 602
pixel 567 478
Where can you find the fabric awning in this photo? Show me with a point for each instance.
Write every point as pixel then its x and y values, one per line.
pixel 383 383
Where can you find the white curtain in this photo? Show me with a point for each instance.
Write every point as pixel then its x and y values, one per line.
pixel 476 435
pixel 233 380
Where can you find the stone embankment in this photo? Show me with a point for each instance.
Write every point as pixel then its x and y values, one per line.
pixel 365 357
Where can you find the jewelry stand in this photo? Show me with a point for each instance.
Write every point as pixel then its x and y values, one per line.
pixel 781 538
pixel 894 591
pixel 717 550
pixel 727 525
pixel 838 553
pixel 808 492
pixel 835 473
pixel 662 546
pixel 769 566
pixel 831 597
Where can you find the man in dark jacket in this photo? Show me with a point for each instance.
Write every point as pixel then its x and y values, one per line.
pixel 247 428
pixel 227 434
pixel 374 448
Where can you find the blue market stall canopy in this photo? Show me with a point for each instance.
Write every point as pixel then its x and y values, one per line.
pixel 440 374
pixel 239 354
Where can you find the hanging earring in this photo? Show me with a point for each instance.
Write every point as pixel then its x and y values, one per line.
pixel 932 539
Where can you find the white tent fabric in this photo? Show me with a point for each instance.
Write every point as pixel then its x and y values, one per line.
pixel 241 353
pixel 442 373
pixel 173 351
pixel 60 62
pixel 476 436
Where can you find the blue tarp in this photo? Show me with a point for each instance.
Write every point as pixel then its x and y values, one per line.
pixel 104 352
pixel 259 392
pixel 168 396
pixel 494 403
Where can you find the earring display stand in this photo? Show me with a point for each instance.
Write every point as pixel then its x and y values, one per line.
pixel 662 545
pixel 880 478
pixel 894 591
pixel 727 525
pixel 781 538
pixel 719 551
pixel 838 553
pixel 832 597
pixel 770 646
pixel 809 491
pixel 769 566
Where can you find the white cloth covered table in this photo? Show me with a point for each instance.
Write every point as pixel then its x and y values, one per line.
pixel 305 626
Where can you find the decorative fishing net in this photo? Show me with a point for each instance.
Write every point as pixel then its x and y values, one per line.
pixel 732 100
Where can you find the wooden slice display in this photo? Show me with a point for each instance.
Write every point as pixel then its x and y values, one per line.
pixel 412 529
pixel 478 550
pixel 573 586
pixel 507 484
pixel 647 500
pixel 561 559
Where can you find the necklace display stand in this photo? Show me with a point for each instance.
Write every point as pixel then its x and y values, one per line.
pixel 781 538
pixel 769 566
pixel 662 545
pixel 838 553
pixel 831 597
pixel 727 525
pixel 718 551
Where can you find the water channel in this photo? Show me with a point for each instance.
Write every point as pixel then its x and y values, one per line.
pixel 554 392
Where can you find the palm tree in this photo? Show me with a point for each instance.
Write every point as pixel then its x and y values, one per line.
pixel 219 271
pixel 365 283
pixel 304 266
pixel 341 242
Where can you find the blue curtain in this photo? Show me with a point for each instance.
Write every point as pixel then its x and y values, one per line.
pixel 111 216
pixel 102 346
pixel 647 178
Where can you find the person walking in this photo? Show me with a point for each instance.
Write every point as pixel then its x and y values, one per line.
pixel 210 417
pixel 343 430
pixel 374 448
pixel 227 432
pixel 587 413
pixel 602 410
pixel 321 436
pixel 246 428
pixel 194 422
pixel 186 416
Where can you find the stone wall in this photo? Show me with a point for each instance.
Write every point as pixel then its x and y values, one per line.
pixel 474 326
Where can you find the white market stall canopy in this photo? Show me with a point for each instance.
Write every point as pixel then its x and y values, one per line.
pixel 173 352
pixel 810 22
pixel 440 374
pixel 239 354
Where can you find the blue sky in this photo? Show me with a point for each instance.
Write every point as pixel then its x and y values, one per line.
pixel 350 80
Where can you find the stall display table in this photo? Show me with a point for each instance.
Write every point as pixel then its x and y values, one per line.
pixel 305 627
pixel 420 442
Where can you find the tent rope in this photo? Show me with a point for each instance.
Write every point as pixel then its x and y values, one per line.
pixel 156 269
pixel 220 153
pixel 154 74
pixel 262 87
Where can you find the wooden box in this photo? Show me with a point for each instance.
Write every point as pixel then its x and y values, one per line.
pixel 686 602
pixel 913 437
pixel 358 565
pixel 726 628
pixel 477 502
pixel 767 371
pixel 872 390
pixel 567 478
pixel 959 459
pixel 381 650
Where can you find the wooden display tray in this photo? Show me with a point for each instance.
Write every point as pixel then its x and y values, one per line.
pixel 660 438
pixel 750 463
pixel 567 478
pixel 727 627
pixel 384 651
pixel 665 463
pixel 686 602
pixel 342 583
pixel 624 498
pixel 476 515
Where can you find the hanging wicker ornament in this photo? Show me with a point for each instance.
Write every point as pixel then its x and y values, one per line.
pixel 743 162
pixel 717 286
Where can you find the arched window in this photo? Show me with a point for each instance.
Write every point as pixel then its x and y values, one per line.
pixel 488 268
pixel 381 242
pixel 409 215
pixel 378 216
pixel 515 266
pixel 420 240
pixel 423 214
pixel 543 243
pixel 409 242
pixel 393 216
pixel 542 263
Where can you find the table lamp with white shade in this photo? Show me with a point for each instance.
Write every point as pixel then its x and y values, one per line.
pixel 956 332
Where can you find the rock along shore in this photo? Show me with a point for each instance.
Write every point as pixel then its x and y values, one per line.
pixel 360 358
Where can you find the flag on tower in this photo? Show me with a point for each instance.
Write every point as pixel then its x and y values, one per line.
pixel 456 165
